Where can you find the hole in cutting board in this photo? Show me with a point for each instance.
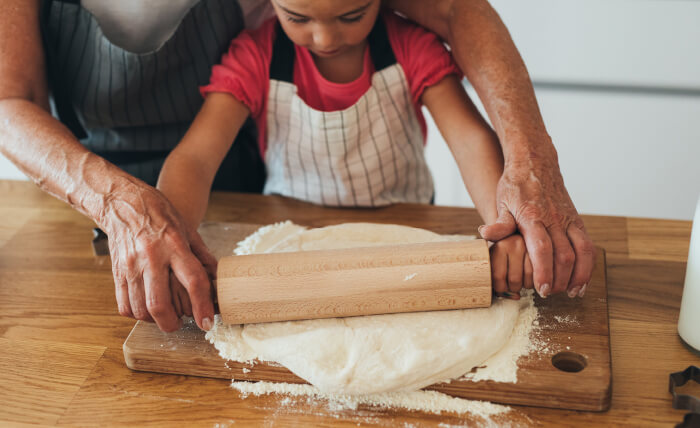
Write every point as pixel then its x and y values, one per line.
pixel 570 362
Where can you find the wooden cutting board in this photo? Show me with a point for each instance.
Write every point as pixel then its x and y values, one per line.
pixel 571 369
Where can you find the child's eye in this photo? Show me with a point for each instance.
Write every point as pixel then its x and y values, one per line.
pixel 353 18
pixel 297 20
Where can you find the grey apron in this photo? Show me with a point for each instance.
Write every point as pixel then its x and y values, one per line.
pixel 133 108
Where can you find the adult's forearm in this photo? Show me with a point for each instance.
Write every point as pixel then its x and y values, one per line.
pixel 484 50
pixel 48 153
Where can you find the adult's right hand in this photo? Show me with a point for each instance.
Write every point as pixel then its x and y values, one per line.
pixel 148 241
pixel 532 199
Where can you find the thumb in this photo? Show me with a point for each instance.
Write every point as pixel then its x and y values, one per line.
pixel 503 227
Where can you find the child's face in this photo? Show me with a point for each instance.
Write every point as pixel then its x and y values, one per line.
pixel 327 27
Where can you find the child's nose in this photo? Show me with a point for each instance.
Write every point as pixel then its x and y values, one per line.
pixel 325 38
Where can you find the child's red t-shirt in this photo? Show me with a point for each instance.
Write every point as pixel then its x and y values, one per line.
pixel 244 71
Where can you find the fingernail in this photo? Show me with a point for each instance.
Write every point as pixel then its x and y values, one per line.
pixel 573 292
pixel 505 294
pixel 583 290
pixel 480 229
pixel 206 323
pixel 546 289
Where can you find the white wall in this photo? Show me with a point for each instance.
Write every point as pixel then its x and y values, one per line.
pixel 629 42
pixel 9 171
pixel 618 82
pixel 620 154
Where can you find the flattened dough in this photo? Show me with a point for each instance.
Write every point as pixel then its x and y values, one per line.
pixel 371 354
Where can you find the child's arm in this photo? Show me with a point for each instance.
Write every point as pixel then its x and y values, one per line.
pixel 475 147
pixel 473 143
pixel 189 170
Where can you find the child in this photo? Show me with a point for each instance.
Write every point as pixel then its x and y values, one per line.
pixel 336 89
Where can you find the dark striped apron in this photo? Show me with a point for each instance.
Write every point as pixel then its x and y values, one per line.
pixel 369 154
pixel 133 108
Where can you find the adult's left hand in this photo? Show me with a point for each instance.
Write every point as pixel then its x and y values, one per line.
pixel 531 198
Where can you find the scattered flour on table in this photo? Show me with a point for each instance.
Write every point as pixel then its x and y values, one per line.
pixel 427 401
pixel 566 319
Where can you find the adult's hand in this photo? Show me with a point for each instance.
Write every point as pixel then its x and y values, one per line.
pixel 532 198
pixel 148 242
pixel 147 239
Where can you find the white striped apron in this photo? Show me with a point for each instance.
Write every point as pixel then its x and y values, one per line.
pixel 369 154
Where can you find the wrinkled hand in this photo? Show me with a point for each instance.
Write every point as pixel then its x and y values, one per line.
pixel 511 268
pixel 148 243
pixel 531 198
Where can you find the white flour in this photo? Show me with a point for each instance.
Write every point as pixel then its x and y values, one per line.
pixel 503 366
pixel 427 401
pixel 566 319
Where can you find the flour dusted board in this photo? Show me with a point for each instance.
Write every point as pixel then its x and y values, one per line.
pixel 574 333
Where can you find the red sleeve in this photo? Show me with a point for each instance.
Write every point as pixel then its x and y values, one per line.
pixel 422 55
pixel 244 71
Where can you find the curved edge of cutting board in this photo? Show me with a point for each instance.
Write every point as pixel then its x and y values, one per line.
pixel 540 384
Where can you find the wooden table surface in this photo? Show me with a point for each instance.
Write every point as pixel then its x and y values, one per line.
pixel 61 336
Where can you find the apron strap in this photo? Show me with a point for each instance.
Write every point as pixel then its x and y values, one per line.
pixel 379 46
pixel 282 63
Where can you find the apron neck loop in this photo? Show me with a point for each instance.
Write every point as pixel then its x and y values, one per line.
pixel 282 63
pixel 379 46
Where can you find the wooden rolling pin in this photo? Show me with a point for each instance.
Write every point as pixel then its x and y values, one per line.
pixel 355 281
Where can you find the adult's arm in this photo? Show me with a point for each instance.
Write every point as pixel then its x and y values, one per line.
pixel 146 236
pixel 531 193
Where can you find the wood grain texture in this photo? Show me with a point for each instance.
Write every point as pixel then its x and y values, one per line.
pixel 579 327
pixel 39 378
pixel 651 239
pixel 54 290
pixel 609 233
pixel 113 395
pixel 11 219
pixel 350 282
